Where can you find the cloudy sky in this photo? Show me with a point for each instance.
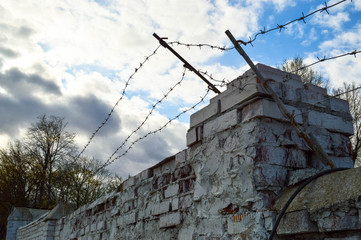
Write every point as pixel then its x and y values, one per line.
pixel 73 58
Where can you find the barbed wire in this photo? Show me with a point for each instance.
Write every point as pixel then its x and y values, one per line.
pixel 149 114
pixel 222 82
pixel 283 26
pixel 127 83
pixel 189 45
pixel 348 91
pixel 110 161
pixel 354 53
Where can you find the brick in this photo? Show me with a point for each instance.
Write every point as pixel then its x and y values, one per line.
pixel 100 225
pixel 185 201
pixel 170 220
pixel 289 157
pixel 315 98
pixel 186 232
pixel 175 204
pixel 340 145
pixel 130 218
pixel 296 222
pixel 269 219
pixel 82 231
pixel 129 182
pixel 268 109
pixel 242 89
pixel 148 173
pixel 168 166
pixel 315 89
pixel 157 171
pixel 182 172
pixel 93 227
pixel 290 138
pixel 266 175
pixel 221 123
pixel 164 180
pixel 162 207
pixel 330 122
pixel 342 162
pixel 291 92
pixel 181 157
pixel 171 190
pixel 186 185
pixel 278 75
pixel 194 135
pixel 238 96
pixel 339 105
pixel 148 211
pixel 333 222
pixel 205 113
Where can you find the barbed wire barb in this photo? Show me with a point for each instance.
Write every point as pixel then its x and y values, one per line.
pixel 223 81
pixel 353 53
pixel 325 9
pixel 200 45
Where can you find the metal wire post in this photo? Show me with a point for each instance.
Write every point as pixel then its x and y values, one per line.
pixel 186 64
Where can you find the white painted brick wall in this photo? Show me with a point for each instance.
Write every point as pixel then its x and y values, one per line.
pixel 224 186
pixel 170 220
pixel 330 122
pixel 171 190
pixel 269 109
pixel 225 121
pixel 204 114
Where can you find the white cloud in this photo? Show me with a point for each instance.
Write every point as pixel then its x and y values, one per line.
pixel 347 40
pixel 311 37
pixel 357 4
pixel 333 21
pixel 344 69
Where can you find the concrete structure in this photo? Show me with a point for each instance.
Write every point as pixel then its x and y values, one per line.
pixel 242 156
pixel 29 223
pixel 21 216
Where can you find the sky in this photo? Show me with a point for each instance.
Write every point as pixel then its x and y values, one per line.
pixel 77 58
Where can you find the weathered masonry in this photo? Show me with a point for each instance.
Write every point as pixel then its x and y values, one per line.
pixel 243 161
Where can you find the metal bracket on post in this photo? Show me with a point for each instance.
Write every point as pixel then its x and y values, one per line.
pixel 310 140
pixel 186 64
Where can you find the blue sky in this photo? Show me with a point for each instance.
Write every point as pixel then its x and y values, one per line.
pixel 73 58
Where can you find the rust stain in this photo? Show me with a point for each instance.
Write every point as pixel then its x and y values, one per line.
pixel 120 188
pixel 239 218
pixel 230 209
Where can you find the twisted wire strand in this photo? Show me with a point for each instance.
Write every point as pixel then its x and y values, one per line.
pixel 353 53
pixel 189 45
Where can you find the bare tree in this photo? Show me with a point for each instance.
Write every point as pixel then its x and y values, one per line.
pixel 297 66
pixel 81 183
pixel 352 94
pixel 48 144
